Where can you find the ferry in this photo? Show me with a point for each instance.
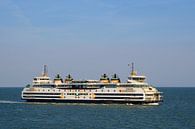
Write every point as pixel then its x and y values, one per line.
pixel 105 90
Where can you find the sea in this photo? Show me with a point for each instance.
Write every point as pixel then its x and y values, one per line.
pixel 176 112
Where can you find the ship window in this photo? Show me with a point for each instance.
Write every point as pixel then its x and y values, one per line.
pixel 95 90
pixel 149 94
pixel 71 93
pixel 102 90
pixel 114 90
pixel 108 90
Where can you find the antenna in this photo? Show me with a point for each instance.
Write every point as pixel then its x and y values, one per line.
pixel 132 66
pixel 45 72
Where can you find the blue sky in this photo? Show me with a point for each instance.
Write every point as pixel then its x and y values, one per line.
pixel 89 37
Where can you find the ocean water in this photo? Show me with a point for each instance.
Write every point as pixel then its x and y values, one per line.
pixel 176 112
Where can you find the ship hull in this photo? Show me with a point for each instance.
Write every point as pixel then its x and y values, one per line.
pixel 94 101
pixel 102 95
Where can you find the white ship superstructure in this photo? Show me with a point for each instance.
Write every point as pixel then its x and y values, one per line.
pixel 105 90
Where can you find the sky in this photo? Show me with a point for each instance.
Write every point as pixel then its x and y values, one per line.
pixel 86 38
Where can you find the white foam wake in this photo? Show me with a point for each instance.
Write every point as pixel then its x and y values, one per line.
pixel 10 102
